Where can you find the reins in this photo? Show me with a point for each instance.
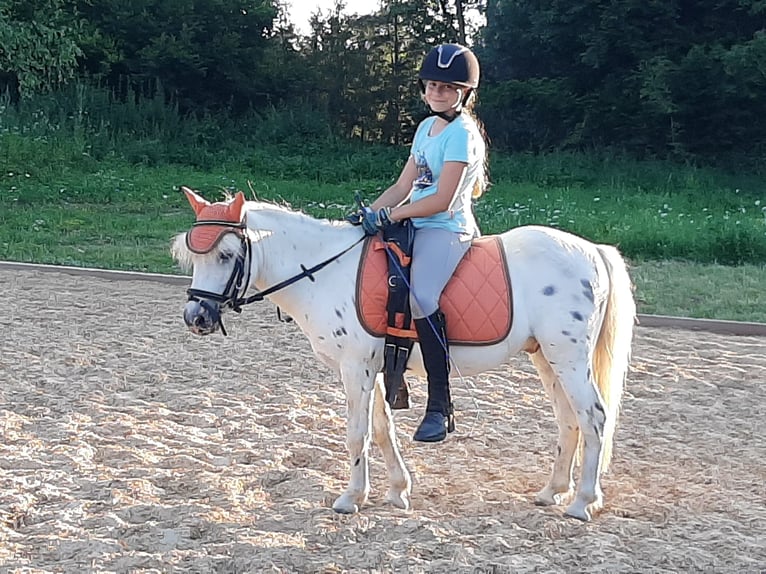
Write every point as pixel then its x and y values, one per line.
pixel 240 276
pixel 295 278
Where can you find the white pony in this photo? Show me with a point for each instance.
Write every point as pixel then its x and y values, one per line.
pixel 573 312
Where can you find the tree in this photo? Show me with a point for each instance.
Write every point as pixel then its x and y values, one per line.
pixel 206 54
pixel 647 76
pixel 367 65
pixel 38 45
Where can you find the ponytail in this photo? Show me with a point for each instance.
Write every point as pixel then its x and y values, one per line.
pixel 482 183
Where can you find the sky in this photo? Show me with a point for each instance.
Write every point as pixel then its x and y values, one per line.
pixel 301 10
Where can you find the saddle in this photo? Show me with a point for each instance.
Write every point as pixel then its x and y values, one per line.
pixel 477 301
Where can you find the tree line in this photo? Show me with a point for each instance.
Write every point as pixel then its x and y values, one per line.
pixel 673 78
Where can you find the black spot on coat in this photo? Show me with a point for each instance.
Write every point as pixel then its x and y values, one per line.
pixel 588 289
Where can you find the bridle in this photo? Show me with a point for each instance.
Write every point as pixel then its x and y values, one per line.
pixel 233 295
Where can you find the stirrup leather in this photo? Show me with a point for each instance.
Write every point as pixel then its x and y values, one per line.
pixel 399 239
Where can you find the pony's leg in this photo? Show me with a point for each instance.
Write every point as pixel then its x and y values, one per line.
pixel 384 435
pixel 359 395
pixel 569 361
pixel 560 486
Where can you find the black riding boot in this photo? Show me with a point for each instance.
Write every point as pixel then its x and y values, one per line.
pixel 439 419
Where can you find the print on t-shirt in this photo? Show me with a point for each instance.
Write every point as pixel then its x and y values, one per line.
pixel 425 175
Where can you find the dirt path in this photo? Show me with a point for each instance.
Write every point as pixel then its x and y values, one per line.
pixel 128 445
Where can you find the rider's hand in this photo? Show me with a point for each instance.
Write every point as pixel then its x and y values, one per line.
pixel 374 221
pixel 355 217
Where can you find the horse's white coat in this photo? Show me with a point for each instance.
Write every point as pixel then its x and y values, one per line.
pixel 573 297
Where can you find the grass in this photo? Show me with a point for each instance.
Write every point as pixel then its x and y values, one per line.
pixel 58 220
pixel 91 195
pixel 650 226
pixel 712 291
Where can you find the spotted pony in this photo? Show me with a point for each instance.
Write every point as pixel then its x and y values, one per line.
pixel 573 313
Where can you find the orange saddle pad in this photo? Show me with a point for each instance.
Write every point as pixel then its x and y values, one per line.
pixel 476 302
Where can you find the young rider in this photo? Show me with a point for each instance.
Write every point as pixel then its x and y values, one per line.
pixel 445 170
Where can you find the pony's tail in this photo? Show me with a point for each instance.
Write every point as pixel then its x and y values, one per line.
pixel 612 353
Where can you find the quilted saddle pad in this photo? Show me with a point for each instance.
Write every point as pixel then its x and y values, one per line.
pixel 476 301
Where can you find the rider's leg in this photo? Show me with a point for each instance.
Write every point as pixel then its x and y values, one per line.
pixel 436 254
pixel 439 418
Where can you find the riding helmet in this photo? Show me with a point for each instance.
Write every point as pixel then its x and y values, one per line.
pixel 452 64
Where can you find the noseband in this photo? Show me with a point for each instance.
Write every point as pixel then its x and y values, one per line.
pixel 238 281
pixel 236 287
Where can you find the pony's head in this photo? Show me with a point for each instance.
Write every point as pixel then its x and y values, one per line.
pixel 217 249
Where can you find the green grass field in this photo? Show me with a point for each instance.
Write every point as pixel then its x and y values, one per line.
pixel 85 196
pixel 124 218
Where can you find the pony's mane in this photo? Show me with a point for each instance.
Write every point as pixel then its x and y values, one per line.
pixel 187 258
pixel 265 205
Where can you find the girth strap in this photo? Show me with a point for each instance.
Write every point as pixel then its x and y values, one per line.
pixel 398 240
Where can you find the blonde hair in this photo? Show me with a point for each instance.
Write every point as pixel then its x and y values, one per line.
pixel 482 183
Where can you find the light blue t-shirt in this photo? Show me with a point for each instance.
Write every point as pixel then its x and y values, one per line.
pixel 460 141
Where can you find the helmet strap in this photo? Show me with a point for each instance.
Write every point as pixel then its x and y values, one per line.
pixel 458 109
pixel 446 117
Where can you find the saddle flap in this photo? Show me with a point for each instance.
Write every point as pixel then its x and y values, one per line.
pixel 477 301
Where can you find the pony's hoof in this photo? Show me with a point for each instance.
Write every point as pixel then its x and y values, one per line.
pixel 548 497
pixel 398 499
pixel 578 513
pixel 345 504
pixel 582 510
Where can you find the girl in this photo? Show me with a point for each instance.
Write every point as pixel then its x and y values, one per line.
pixel 445 170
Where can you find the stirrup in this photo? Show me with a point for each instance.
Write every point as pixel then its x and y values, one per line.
pixel 394 365
pixel 402 397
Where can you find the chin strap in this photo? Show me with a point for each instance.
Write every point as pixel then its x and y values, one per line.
pixel 450 118
pixel 447 118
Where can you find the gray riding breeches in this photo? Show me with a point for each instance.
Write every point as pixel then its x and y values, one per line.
pixel 435 257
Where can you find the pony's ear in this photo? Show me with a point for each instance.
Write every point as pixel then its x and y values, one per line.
pixel 236 207
pixel 197 202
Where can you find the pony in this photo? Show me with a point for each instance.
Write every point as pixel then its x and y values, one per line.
pixel 573 313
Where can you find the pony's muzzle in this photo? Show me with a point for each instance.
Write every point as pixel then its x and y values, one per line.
pixel 202 317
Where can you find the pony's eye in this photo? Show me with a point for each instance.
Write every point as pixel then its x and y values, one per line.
pixel 224 257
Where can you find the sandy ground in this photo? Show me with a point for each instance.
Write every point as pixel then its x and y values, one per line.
pixel 129 445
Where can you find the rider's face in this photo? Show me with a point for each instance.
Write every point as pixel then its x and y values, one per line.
pixel 441 96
